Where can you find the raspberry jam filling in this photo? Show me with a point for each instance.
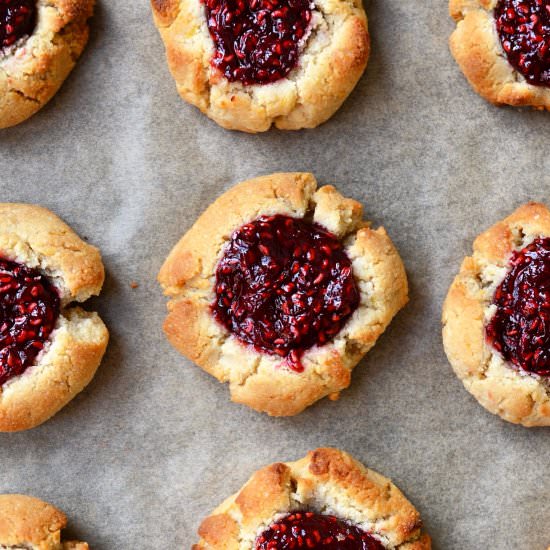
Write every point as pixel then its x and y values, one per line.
pixel 523 27
pixel 284 285
pixel 520 328
pixel 29 308
pixel 257 41
pixel 17 19
pixel 315 531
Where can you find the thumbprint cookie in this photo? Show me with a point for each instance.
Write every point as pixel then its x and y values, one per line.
pixel 49 349
pixel 326 500
pixel 27 523
pixel 40 42
pixel 280 289
pixel 496 318
pixel 251 64
pixel 503 49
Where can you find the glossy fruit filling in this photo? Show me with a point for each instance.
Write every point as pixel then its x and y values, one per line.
pixel 523 27
pixel 29 308
pixel 520 328
pixel 257 41
pixel 284 285
pixel 315 531
pixel 17 19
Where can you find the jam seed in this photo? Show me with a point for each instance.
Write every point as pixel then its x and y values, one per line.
pixel 518 329
pixel 296 299
pixel 524 32
pixel 258 40
pixel 29 307
pixel 317 532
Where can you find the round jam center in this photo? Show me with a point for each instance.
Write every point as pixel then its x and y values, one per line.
pixel 315 531
pixel 284 285
pixel 257 41
pixel 520 328
pixel 29 308
pixel 17 19
pixel 524 30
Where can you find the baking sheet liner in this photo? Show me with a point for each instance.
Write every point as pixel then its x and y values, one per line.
pixel 153 444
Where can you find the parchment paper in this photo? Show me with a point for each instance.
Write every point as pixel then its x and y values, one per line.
pixel 153 444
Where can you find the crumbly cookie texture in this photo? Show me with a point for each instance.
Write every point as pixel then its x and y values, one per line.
pixel 27 523
pixel 34 236
pixel 330 64
pixel 476 47
pixel 258 380
pixel 34 68
pixel 515 396
pixel 326 481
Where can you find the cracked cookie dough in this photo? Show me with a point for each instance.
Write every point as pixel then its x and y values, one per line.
pixel 49 349
pixel 37 54
pixel 27 523
pixel 250 65
pixel 502 47
pixel 496 315
pixel 280 289
pixel 328 494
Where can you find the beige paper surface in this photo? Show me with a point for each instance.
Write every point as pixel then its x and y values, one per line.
pixel 154 444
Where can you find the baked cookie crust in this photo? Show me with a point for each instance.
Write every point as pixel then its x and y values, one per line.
pixel 33 236
pixel 33 69
pixel 515 396
pixel 326 481
pixel 260 380
pixel 332 61
pixel 476 47
pixel 28 523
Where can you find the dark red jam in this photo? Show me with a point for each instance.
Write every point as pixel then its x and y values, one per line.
pixel 257 41
pixel 284 285
pixel 315 531
pixel 524 30
pixel 520 328
pixel 29 308
pixel 17 19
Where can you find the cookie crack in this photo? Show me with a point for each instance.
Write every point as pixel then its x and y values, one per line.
pixel 24 96
pixel 252 372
